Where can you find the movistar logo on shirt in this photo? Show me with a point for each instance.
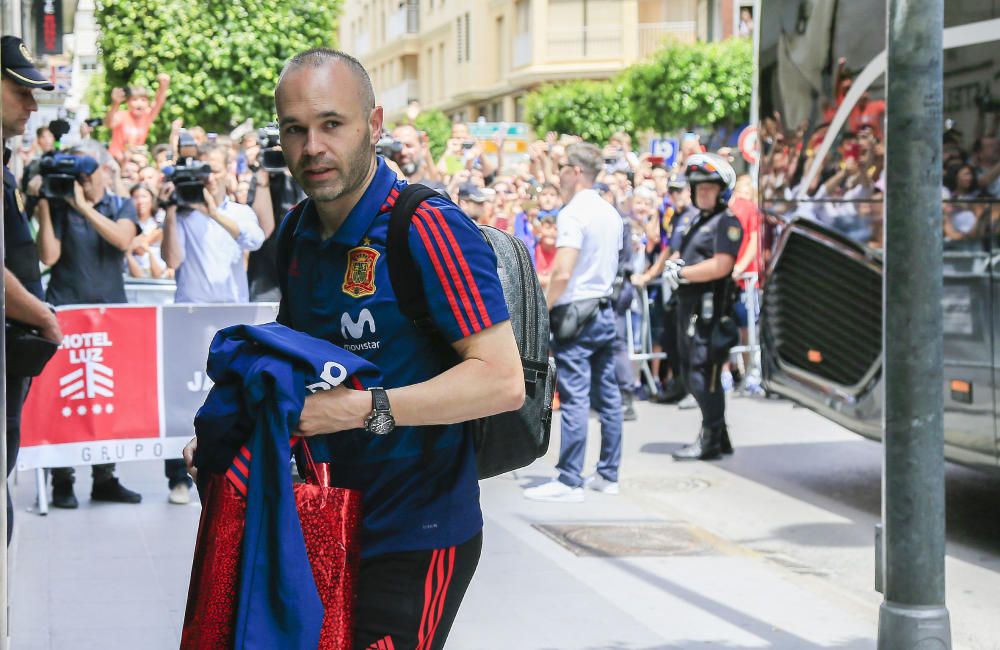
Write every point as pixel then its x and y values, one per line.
pixel 356 328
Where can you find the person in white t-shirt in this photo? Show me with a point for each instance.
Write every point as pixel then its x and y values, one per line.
pixel 583 320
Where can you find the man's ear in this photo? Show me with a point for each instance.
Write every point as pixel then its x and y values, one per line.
pixel 375 120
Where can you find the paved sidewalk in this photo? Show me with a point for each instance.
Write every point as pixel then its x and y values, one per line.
pixel 115 576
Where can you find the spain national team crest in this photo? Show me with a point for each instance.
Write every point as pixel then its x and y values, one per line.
pixel 735 234
pixel 359 278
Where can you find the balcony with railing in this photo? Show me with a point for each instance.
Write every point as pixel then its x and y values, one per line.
pixel 521 55
pixel 591 42
pixel 404 22
pixel 396 98
pixel 652 36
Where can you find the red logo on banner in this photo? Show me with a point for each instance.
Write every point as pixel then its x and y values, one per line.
pixel 101 384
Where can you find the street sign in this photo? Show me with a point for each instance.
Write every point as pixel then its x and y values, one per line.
pixel 665 148
pixel 489 130
pixel 748 144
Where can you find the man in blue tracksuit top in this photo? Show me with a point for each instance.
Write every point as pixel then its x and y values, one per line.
pixel 422 527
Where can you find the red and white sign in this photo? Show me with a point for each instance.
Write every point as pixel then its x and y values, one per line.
pixel 101 385
pixel 748 145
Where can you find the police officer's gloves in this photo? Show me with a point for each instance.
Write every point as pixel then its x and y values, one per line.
pixel 672 274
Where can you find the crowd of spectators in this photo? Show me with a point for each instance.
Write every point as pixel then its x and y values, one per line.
pixel 845 190
pixel 221 250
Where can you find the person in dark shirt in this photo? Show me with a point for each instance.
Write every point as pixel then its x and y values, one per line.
pixel 22 280
pixel 84 240
pixel 404 447
pixel 700 273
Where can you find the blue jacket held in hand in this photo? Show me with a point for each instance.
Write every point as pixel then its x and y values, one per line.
pixel 261 376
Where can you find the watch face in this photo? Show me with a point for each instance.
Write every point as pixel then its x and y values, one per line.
pixel 381 424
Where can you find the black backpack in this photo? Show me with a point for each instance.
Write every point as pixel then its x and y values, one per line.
pixel 506 441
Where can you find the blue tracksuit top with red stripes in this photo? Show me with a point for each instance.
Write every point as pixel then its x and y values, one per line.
pixel 420 484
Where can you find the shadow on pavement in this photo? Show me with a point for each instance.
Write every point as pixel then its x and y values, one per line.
pixel 776 639
pixel 845 478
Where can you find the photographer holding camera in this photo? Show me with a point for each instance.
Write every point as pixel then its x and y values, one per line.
pixel 409 149
pixel 272 195
pixel 83 233
pixel 205 234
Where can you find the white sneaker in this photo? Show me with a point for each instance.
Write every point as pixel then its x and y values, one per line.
pixel 180 494
pixel 554 490
pixel 689 402
pixel 600 484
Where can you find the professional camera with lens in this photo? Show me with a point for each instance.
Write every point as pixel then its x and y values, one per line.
pixel 189 177
pixel 59 172
pixel 271 158
pixel 388 146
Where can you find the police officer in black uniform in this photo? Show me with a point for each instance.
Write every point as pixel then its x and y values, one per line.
pixel 22 280
pixel 699 273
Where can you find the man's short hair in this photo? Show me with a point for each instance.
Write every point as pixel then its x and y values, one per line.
pixel 320 56
pixel 587 157
pixel 209 147
pixel 138 91
pixel 42 129
pixel 160 148
pixel 548 185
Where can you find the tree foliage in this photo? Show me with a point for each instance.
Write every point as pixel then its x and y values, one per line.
pixel 689 85
pixel 591 109
pixel 682 86
pixel 223 57
pixel 437 126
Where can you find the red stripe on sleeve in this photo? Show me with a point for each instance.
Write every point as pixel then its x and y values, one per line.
pixel 465 268
pixel 443 593
pixel 237 482
pixel 240 466
pixel 442 277
pixel 356 383
pixel 428 221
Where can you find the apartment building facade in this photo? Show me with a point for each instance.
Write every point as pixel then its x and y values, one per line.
pixel 478 58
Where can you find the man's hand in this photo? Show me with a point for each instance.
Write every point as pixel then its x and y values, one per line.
pixel 188 452
pixel 35 185
pixel 330 411
pixel 210 205
pixel 672 274
pixel 79 201
pixel 163 78
pixel 117 95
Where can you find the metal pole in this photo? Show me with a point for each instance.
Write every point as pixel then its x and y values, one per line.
pixel 913 614
pixel 4 619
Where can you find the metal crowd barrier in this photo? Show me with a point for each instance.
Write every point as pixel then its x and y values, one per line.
pixel 643 353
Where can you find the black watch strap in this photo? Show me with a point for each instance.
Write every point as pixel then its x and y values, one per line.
pixel 380 400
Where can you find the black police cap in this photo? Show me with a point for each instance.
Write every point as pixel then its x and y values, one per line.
pixel 18 66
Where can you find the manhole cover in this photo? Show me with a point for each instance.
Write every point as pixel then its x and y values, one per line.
pixel 626 540
pixel 669 484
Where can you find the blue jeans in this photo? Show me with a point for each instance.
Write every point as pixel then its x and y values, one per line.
pixel 586 366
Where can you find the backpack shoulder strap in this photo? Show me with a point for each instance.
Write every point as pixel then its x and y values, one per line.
pixel 403 271
pixel 283 256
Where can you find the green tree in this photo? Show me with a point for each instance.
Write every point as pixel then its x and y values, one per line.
pixel 688 85
pixel 592 110
pixel 223 57
pixel 437 126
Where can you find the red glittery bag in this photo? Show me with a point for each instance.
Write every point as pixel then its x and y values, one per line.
pixel 331 524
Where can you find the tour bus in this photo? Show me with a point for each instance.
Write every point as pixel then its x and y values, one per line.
pixel 821 183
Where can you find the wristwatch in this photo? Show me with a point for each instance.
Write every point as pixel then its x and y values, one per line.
pixel 380 422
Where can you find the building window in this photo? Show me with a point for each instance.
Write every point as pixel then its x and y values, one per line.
pixel 458 38
pixel 468 50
